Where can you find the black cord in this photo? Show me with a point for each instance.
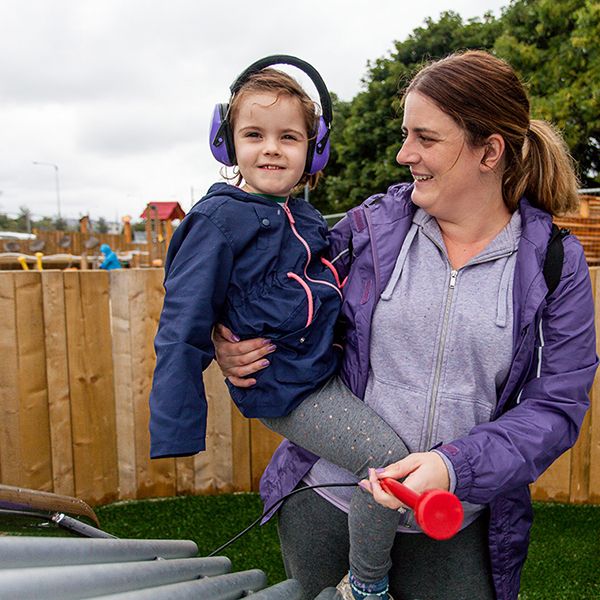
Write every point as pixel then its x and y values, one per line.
pixel 274 507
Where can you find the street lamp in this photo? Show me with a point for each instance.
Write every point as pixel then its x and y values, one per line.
pixel 55 167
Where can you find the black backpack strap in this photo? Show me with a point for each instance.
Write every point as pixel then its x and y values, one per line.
pixel 555 254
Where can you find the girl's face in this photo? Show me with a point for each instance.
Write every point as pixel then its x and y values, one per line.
pixel 271 142
pixel 445 168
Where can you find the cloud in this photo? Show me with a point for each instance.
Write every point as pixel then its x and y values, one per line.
pixel 119 93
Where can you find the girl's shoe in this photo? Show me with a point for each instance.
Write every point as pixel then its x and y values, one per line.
pixel 344 591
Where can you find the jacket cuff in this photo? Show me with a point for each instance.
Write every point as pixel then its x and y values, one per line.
pixel 451 471
pixel 173 450
pixel 463 472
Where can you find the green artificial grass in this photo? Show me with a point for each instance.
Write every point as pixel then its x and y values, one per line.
pixel 563 563
pixel 564 555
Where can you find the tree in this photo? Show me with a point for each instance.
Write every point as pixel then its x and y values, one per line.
pixel 60 224
pixel 23 220
pixel 101 226
pixel 44 224
pixel 554 46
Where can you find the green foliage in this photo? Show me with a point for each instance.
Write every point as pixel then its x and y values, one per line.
pixel 553 45
pixel 60 224
pixel 101 225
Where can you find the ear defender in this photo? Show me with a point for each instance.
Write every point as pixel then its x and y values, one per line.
pixel 221 135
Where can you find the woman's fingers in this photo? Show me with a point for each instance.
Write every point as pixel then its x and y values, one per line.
pixel 381 496
pixel 421 471
pixel 225 333
pixel 242 358
pixel 401 468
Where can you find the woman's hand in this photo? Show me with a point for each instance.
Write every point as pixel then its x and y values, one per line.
pixel 238 359
pixel 423 471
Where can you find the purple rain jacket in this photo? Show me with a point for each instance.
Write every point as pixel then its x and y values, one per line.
pixel 553 367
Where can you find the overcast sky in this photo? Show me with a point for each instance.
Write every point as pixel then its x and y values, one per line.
pixel 119 93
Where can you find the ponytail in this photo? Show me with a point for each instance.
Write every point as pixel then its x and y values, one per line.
pixel 549 178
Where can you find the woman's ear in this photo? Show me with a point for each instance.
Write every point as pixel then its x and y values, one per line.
pixel 493 152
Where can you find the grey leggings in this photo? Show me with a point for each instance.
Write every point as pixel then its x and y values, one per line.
pixel 314 544
pixel 337 426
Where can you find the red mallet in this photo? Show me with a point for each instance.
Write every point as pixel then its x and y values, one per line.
pixel 438 513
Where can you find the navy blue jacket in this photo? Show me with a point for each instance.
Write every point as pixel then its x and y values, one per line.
pixel 239 259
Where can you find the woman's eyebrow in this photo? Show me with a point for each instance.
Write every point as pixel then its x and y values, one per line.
pixel 420 130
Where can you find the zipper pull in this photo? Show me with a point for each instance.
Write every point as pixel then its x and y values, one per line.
pixel 288 212
pixel 453 275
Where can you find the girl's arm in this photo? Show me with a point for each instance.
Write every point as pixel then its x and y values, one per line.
pixel 197 275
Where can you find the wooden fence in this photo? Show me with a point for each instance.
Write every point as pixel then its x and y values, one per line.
pixel 75 373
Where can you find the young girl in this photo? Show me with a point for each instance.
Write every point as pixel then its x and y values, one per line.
pixel 254 258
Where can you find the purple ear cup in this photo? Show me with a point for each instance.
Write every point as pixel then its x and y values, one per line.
pixel 318 150
pixel 220 137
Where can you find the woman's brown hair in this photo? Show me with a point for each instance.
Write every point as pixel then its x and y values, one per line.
pixel 484 96
pixel 279 83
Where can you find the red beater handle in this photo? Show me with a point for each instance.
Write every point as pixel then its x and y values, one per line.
pixel 437 512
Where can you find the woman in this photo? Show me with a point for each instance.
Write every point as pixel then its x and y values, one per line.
pixel 445 312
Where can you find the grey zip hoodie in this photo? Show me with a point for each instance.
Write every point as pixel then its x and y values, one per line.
pixel 441 345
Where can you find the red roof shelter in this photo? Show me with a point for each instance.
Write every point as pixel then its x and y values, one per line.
pixel 159 229
pixel 163 211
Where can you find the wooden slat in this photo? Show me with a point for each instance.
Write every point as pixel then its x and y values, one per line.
pixel 10 451
pixel 36 467
pixel 263 442
pixel 185 475
pixel 122 366
pixel 580 465
pixel 213 468
pixel 57 375
pixel 156 477
pixel 92 386
pixel 240 451
pixel 554 484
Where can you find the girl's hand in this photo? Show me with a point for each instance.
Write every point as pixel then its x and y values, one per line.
pixel 423 471
pixel 239 359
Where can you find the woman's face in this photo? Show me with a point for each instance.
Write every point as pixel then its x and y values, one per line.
pixel 445 169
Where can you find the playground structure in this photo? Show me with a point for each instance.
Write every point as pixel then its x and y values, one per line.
pixel 159 217
pixel 81 249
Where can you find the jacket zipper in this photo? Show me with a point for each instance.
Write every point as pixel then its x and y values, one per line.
pixel 438 364
pixel 440 355
pixel 297 278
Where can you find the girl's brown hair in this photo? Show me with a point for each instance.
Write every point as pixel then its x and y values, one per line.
pixel 484 96
pixel 279 83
